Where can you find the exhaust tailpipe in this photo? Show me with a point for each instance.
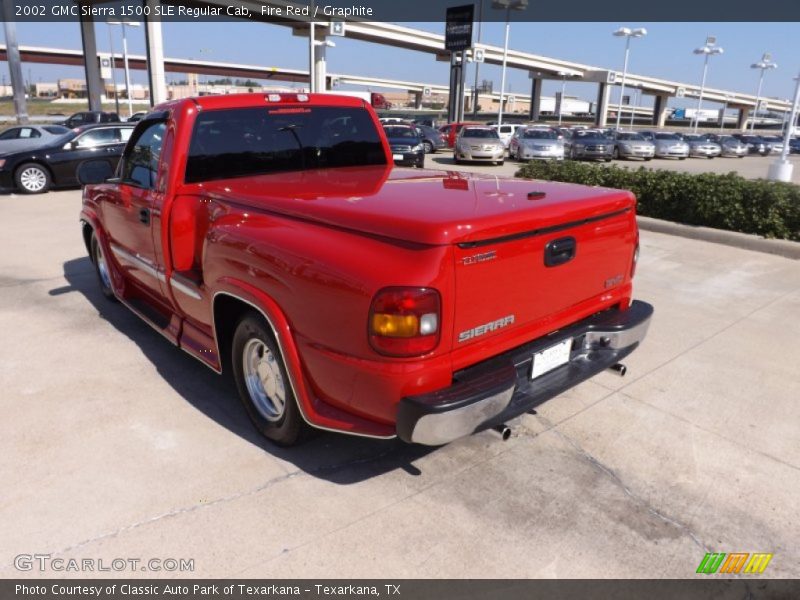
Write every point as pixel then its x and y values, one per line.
pixel 504 431
pixel 619 369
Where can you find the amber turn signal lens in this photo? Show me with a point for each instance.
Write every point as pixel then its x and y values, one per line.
pixel 395 325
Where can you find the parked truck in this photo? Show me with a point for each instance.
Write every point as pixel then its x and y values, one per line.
pixel 375 100
pixel 270 237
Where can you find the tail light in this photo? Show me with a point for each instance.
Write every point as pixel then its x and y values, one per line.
pixel 404 321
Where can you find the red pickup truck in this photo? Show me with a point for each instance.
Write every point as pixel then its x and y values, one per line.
pixel 269 236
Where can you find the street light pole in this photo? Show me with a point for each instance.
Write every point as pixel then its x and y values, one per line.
pixel 125 60
pixel 503 74
pixel 707 50
pixel 763 65
pixel 627 34
pixel 312 84
pixel 563 89
pixel 507 5
pixel 781 169
pixel 127 70
pixel 113 69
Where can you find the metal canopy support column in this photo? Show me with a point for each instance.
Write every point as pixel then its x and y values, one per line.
pixel 455 92
pixel 536 99
pixel 14 64
pixel 94 84
pixel 601 112
pixel 660 110
pixel 417 100
pixel 744 114
pixel 156 75
pixel 320 66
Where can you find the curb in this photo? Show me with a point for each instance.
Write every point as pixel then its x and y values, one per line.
pixel 745 241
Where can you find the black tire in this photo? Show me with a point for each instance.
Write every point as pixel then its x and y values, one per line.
pixel 502 162
pixel 32 178
pixel 616 153
pixel 101 268
pixel 681 158
pixel 648 159
pixel 607 160
pixel 283 425
pixel 429 149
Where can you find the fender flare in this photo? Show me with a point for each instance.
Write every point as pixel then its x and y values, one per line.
pixel 314 412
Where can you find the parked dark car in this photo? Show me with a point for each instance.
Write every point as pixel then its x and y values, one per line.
pixel 135 117
pixel 590 144
pixel 755 145
pixel 406 144
pixel 794 145
pixel 55 164
pixel 91 116
pixel 432 140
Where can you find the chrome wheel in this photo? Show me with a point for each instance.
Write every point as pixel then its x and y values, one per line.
pixel 263 379
pixel 33 179
pixel 102 266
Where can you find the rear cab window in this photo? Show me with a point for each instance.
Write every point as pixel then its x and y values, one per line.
pixel 254 141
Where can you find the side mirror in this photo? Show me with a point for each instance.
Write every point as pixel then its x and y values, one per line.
pixel 95 171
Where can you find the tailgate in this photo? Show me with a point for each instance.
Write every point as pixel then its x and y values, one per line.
pixel 513 282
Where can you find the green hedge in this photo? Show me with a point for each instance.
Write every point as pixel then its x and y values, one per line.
pixel 729 201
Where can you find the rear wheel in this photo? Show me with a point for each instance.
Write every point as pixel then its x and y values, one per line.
pixel 32 178
pixel 429 149
pixel 263 385
pixel 101 268
pixel 616 153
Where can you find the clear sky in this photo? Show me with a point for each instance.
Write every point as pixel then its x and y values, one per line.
pixel 665 52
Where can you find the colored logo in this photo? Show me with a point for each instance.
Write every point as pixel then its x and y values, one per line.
pixel 735 562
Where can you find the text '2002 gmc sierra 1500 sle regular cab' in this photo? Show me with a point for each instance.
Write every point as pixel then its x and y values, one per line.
pixel 269 236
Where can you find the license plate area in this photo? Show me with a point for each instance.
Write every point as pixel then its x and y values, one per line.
pixel 550 358
pixel 397 156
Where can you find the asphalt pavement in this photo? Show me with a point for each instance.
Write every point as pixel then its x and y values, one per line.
pixel 115 444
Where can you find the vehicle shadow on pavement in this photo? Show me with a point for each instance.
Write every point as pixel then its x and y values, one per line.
pixel 337 458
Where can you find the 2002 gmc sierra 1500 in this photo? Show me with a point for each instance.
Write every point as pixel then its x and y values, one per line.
pixel 269 236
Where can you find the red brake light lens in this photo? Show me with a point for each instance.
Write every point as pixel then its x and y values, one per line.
pixel 405 321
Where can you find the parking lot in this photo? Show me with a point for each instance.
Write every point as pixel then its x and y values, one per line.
pixel 750 167
pixel 117 445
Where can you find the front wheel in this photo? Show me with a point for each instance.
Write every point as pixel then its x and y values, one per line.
pixel 32 178
pixel 429 149
pixel 616 153
pixel 262 382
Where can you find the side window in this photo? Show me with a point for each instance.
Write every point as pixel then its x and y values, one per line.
pixel 28 133
pixel 98 137
pixel 140 166
pixel 505 129
pixel 10 134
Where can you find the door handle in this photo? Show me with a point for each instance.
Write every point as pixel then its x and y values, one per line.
pixel 559 251
pixel 144 216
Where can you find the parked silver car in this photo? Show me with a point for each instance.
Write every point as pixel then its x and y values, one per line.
pixel 730 146
pixel 479 143
pixel 774 142
pixel 670 145
pixel 529 143
pixel 702 145
pixel 629 144
pixel 24 137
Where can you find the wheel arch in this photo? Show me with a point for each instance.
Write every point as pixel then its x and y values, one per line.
pixel 230 300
